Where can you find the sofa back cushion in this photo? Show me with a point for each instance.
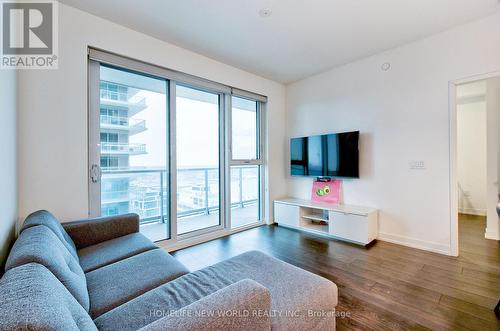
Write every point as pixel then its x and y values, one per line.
pixel 43 217
pixel 31 298
pixel 40 245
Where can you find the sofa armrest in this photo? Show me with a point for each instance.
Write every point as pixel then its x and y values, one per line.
pixel 92 231
pixel 244 305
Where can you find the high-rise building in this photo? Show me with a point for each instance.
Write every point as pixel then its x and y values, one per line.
pixel 119 105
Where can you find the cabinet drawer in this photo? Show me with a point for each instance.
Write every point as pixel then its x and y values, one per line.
pixel 286 214
pixel 349 226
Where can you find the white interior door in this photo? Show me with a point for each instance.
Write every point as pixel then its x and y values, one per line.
pixel 493 156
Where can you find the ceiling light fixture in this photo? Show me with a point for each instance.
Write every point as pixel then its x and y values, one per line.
pixel 386 66
pixel 265 12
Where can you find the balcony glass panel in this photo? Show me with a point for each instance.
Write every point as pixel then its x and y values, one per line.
pixel 245 195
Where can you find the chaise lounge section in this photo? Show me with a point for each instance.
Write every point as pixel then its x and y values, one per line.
pixel 103 274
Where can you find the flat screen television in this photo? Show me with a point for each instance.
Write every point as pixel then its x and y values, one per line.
pixel 329 155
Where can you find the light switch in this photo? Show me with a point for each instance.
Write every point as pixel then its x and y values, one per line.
pixel 416 165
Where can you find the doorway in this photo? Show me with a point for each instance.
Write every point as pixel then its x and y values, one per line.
pixel 475 122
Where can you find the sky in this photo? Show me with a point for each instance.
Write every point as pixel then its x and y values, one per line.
pixel 197 132
pixel 197 129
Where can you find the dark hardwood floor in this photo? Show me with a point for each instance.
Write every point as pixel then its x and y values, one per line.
pixel 385 286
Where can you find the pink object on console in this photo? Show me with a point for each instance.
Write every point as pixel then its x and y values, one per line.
pixel 327 191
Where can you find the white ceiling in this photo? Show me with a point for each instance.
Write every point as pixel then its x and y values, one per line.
pixel 299 39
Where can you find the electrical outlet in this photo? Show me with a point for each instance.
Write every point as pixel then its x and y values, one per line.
pixel 416 165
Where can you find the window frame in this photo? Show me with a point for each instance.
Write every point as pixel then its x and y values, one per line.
pixel 258 116
pixel 222 175
pixel 97 57
pixel 259 161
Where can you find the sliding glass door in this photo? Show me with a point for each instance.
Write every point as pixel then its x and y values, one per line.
pixel 132 148
pixel 198 159
pixel 183 153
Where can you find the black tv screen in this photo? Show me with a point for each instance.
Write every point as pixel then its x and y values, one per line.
pixel 329 155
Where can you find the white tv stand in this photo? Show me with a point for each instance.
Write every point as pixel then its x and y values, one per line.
pixel 350 223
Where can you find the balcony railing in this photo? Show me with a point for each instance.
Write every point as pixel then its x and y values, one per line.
pixel 114 196
pixel 131 123
pixel 114 95
pixel 195 196
pixel 121 97
pixel 123 148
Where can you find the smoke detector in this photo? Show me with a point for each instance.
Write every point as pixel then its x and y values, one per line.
pixel 265 12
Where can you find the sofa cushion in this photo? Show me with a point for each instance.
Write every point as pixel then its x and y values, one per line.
pixel 110 251
pixel 43 217
pixel 92 231
pixel 117 283
pixel 292 290
pixel 247 298
pixel 39 244
pixel 31 298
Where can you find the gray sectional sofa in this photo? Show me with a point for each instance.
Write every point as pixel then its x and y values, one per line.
pixel 102 274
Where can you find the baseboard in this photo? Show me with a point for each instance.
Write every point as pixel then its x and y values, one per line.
pixel 493 235
pixel 173 246
pixel 415 243
pixel 472 211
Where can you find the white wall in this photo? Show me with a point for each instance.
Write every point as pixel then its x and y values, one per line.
pixel 403 115
pixel 53 111
pixel 471 148
pixel 493 142
pixel 8 160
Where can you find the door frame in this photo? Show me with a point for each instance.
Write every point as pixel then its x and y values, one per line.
pixel 453 153
pixel 94 142
pixel 222 162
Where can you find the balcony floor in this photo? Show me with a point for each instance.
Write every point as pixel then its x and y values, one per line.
pixel 240 217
